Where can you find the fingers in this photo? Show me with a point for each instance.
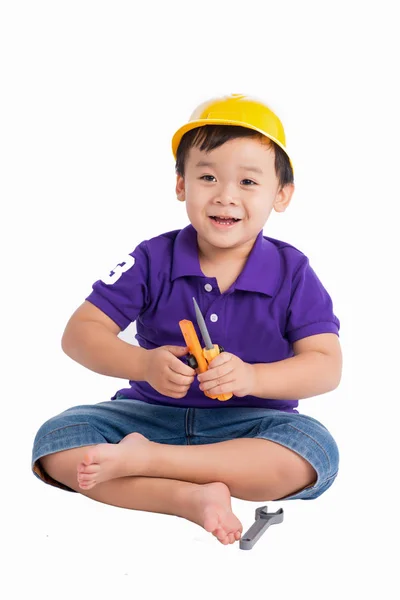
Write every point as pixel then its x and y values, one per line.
pixel 223 385
pixel 176 390
pixel 177 350
pixel 220 372
pixel 221 359
pixel 179 379
pixel 178 384
pixel 174 354
pixel 180 368
pixel 219 379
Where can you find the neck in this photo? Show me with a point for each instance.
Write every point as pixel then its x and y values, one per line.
pixel 213 255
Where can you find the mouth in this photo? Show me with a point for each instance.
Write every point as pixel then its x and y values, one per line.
pixel 225 221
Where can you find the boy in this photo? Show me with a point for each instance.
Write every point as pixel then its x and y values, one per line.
pixel 162 445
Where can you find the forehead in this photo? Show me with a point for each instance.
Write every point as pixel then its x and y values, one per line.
pixel 241 152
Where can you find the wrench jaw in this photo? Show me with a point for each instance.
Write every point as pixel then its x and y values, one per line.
pixel 263 519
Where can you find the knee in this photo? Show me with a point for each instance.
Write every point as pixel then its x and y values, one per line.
pixel 287 477
pixel 293 478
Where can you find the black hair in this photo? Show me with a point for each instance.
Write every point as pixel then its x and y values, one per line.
pixel 209 137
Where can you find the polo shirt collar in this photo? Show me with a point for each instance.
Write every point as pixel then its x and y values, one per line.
pixel 260 273
pixel 185 257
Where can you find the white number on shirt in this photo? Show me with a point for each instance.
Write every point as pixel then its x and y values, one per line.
pixel 117 271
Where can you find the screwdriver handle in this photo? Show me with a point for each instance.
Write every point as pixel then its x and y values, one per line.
pixel 203 356
pixel 192 342
pixel 209 355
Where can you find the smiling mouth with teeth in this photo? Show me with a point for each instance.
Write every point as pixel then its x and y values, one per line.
pixel 225 220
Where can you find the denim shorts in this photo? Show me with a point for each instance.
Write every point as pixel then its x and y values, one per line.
pixel 110 421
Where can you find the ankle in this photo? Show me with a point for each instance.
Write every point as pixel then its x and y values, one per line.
pixel 185 500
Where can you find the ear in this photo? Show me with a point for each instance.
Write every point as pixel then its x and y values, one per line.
pixel 283 197
pixel 180 188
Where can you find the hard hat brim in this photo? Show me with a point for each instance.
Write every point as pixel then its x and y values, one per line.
pixel 176 139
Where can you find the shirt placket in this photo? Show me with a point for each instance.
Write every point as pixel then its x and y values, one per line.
pixel 213 315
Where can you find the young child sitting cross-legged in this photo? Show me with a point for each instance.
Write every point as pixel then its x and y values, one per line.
pixel 161 444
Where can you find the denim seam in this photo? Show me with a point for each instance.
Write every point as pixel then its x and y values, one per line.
pixel 53 431
pixel 329 478
pixel 65 427
pixel 316 487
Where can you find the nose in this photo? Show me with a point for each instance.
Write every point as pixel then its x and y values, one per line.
pixel 226 195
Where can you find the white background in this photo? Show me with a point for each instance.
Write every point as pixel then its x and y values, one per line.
pixel 91 94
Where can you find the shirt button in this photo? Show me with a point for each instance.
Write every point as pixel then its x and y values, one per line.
pixel 214 318
pixel 208 287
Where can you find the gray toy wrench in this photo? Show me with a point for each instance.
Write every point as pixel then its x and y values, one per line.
pixel 263 520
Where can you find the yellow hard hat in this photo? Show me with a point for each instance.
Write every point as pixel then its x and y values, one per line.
pixel 236 109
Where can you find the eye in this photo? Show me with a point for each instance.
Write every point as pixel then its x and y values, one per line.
pixel 249 181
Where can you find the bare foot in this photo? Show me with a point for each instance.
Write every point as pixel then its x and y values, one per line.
pixel 209 506
pixel 108 461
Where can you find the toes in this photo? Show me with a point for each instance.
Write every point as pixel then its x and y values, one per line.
pixel 86 483
pixel 87 486
pixel 227 538
pixel 224 541
pixel 86 480
pixel 222 536
pixel 219 533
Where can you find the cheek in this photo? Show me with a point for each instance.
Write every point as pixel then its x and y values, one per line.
pixel 266 211
pixel 195 199
pixel 263 207
pixel 193 209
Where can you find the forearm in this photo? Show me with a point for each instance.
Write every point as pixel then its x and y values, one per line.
pixel 96 348
pixel 303 376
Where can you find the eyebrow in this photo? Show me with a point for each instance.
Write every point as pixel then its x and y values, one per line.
pixel 205 163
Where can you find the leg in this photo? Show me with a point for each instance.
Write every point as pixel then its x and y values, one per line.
pixel 253 469
pixel 206 505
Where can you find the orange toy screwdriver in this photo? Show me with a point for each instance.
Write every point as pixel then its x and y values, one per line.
pixel 199 358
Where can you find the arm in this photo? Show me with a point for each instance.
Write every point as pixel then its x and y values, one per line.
pixel 315 369
pixel 91 339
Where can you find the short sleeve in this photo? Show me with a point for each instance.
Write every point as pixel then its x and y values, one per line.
pixel 123 291
pixel 310 310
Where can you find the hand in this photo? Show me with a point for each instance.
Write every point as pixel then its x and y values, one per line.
pixel 228 373
pixel 166 373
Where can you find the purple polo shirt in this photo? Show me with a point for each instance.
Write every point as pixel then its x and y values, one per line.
pixel 276 300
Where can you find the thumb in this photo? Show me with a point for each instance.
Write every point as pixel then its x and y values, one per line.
pixel 177 350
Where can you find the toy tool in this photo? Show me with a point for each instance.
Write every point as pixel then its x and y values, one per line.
pixel 263 520
pixel 199 358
